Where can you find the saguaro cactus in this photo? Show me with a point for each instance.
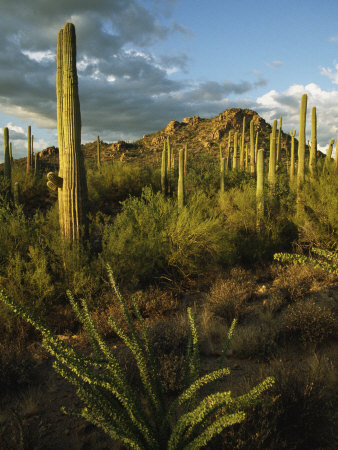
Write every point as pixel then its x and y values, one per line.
pixel 180 186
pixel 228 150
pixel 164 179
pixel 328 156
pixel 17 194
pixel 252 148
pixel 7 171
pixel 29 151
pixel 185 159
pixel 336 159
pixel 98 153
pixel 32 152
pixel 301 155
pixel 234 159
pixel 222 174
pixel 256 146
pixel 11 153
pixel 71 182
pixel 241 154
pixel 279 140
pixel 37 169
pixel 272 161
pixel 169 163
pixel 313 149
pixel 292 157
pixel 260 189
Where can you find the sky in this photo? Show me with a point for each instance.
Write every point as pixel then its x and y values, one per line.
pixel 142 63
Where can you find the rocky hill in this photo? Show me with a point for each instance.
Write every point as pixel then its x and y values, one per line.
pixel 201 135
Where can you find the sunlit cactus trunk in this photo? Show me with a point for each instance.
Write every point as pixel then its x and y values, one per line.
pixel 234 159
pixel 180 186
pixel 228 150
pixel 164 179
pixel 29 151
pixel 260 189
pixel 279 140
pixel 71 181
pixel 327 161
pixel 222 174
pixel 252 148
pixel 336 159
pixel 256 146
pixel 11 153
pixel 241 153
pixel 313 149
pixel 185 159
pixel 301 155
pixel 98 153
pixel 32 152
pixel 272 161
pixel 292 157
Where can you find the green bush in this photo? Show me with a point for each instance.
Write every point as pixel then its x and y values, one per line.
pixel 150 237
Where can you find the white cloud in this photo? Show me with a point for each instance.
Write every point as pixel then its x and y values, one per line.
pixel 331 73
pixel 41 56
pixel 274 104
pixel 274 64
pixel 334 38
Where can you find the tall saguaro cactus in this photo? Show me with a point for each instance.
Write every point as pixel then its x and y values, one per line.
pixel 164 178
pixel 180 186
pixel 71 181
pixel 252 148
pixel 98 153
pixel 260 189
pixel 7 171
pixel 272 161
pixel 222 174
pixel 234 159
pixel 313 149
pixel 292 157
pixel 241 153
pixel 279 141
pixel 301 155
pixel 29 151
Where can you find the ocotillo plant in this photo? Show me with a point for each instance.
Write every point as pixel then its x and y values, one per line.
pixel 234 159
pixel 180 186
pixel 301 155
pixel 252 148
pixel 164 179
pixel 110 401
pixel 260 189
pixel 313 148
pixel 279 140
pixel 222 174
pixel 292 157
pixel 29 151
pixel 241 154
pixel 327 161
pixel 98 153
pixel 71 181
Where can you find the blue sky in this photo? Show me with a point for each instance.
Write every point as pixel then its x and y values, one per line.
pixel 142 63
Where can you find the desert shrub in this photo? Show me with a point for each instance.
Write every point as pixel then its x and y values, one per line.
pixel 295 281
pixel 114 183
pixel 155 302
pixel 320 195
pixel 171 372
pixel 168 335
pixel 299 413
pixel 203 174
pixel 310 322
pixel 256 341
pixel 228 297
pixel 150 238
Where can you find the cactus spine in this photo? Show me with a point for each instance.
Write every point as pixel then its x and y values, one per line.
pixel 252 148
pixel 71 182
pixel 279 141
pixel 98 153
pixel 260 189
pixel 313 150
pixel 29 151
pixel 234 159
pixel 180 186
